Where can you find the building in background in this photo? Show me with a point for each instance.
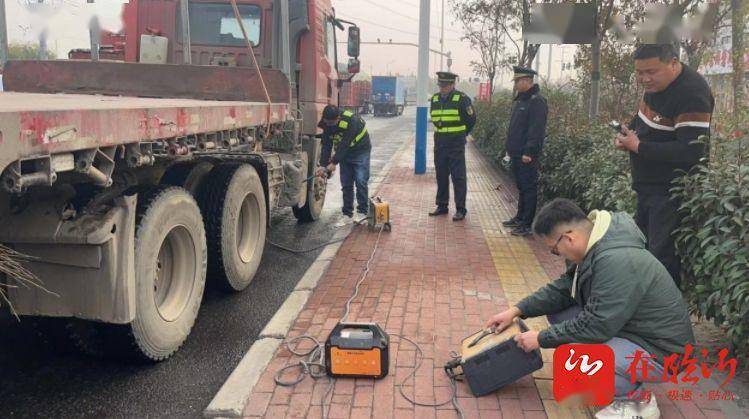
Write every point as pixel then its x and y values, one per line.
pixel 717 67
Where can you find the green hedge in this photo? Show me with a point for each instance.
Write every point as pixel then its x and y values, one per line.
pixel 713 240
pixel 579 162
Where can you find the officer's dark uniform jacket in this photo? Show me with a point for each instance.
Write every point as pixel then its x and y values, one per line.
pixel 349 138
pixel 453 118
pixel 527 129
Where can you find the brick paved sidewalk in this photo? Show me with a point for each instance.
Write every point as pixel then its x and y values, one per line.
pixel 435 281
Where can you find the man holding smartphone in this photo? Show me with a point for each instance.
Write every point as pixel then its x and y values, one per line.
pixel 661 139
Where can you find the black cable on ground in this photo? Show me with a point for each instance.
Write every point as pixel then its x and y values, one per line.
pixel 312 249
pixel 314 364
pixel 419 360
pixel 302 251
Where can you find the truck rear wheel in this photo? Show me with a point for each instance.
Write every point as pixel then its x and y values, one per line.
pixel 189 175
pixel 170 269
pixel 311 210
pixel 233 204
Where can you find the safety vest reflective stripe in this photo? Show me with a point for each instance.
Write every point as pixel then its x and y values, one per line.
pixel 436 98
pixel 359 137
pixel 348 113
pixel 460 128
pixel 343 124
pixel 456 98
pixel 338 137
pixel 446 118
pixel 438 112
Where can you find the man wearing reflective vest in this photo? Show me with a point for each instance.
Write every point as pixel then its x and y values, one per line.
pixel 453 118
pixel 347 134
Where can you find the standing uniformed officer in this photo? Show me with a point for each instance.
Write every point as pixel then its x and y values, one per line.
pixel 453 118
pixel 525 138
pixel 347 133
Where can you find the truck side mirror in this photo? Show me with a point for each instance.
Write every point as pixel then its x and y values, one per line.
pixel 353 41
pixel 353 66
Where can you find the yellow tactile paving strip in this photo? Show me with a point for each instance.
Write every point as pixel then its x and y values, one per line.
pixel 518 269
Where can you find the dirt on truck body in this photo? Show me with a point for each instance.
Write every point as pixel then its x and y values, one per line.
pixel 132 184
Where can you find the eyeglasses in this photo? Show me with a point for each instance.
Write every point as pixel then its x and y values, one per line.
pixel 555 250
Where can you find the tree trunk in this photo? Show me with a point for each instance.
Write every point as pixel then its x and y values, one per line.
pixel 738 22
pixel 491 85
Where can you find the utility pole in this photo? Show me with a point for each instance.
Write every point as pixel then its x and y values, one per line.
pixel 420 159
pixel 595 78
pixel 43 46
pixel 442 39
pixel 94 35
pixel 184 9
pixel 3 35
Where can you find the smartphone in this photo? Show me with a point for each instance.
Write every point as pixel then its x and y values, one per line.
pixel 616 126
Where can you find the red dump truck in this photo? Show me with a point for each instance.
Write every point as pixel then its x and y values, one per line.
pixel 354 96
pixel 132 183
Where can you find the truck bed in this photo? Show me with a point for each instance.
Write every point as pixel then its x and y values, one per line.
pixel 42 102
pixel 35 124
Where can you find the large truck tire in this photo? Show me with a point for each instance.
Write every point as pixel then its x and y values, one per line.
pixel 233 203
pixel 189 175
pixel 170 271
pixel 316 189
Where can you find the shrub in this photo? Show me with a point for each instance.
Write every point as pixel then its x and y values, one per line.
pixel 490 131
pixel 713 240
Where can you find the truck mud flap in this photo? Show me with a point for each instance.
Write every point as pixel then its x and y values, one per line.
pixel 87 261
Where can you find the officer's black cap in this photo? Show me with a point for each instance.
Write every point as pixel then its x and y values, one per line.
pixel 330 112
pixel 446 77
pixel 520 72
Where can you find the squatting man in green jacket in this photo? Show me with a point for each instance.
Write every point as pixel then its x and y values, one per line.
pixel 615 292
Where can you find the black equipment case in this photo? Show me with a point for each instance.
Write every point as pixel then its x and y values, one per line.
pixel 494 360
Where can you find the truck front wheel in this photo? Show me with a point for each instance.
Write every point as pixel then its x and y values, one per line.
pixel 311 211
pixel 170 269
pixel 233 204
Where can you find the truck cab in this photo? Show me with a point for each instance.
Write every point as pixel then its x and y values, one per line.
pixel 302 44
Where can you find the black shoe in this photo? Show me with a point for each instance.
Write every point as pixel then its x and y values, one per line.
pixel 439 211
pixel 522 231
pixel 512 222
pixel 460 215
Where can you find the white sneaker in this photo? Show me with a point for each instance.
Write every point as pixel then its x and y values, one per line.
pixel 344 221
pixel 631 409
pixel 359 217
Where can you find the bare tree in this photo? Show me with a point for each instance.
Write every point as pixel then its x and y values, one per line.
pixel 488 22
pixel 484 23
pixel 739 13
pixel 695 48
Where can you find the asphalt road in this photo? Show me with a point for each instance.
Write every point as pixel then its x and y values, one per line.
pixel 43 376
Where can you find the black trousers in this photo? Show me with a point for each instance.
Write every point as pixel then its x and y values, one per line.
pixel 450 162
pixel 657 216
pixel 526 180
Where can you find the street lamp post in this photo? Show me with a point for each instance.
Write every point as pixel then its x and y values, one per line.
pixel 3 35
pixel 420 158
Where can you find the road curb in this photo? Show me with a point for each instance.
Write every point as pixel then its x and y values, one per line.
pixel 230 400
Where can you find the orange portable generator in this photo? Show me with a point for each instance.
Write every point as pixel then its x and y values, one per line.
pixel 357 350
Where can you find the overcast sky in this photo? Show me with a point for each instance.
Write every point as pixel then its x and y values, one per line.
pixel 66 22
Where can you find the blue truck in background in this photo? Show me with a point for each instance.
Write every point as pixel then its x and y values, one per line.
pixel 388 95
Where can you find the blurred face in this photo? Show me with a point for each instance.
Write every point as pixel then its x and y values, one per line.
pixel 655 75
pixel 330 122
pixel 567 242
pixel 523 84
pixel 446 87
